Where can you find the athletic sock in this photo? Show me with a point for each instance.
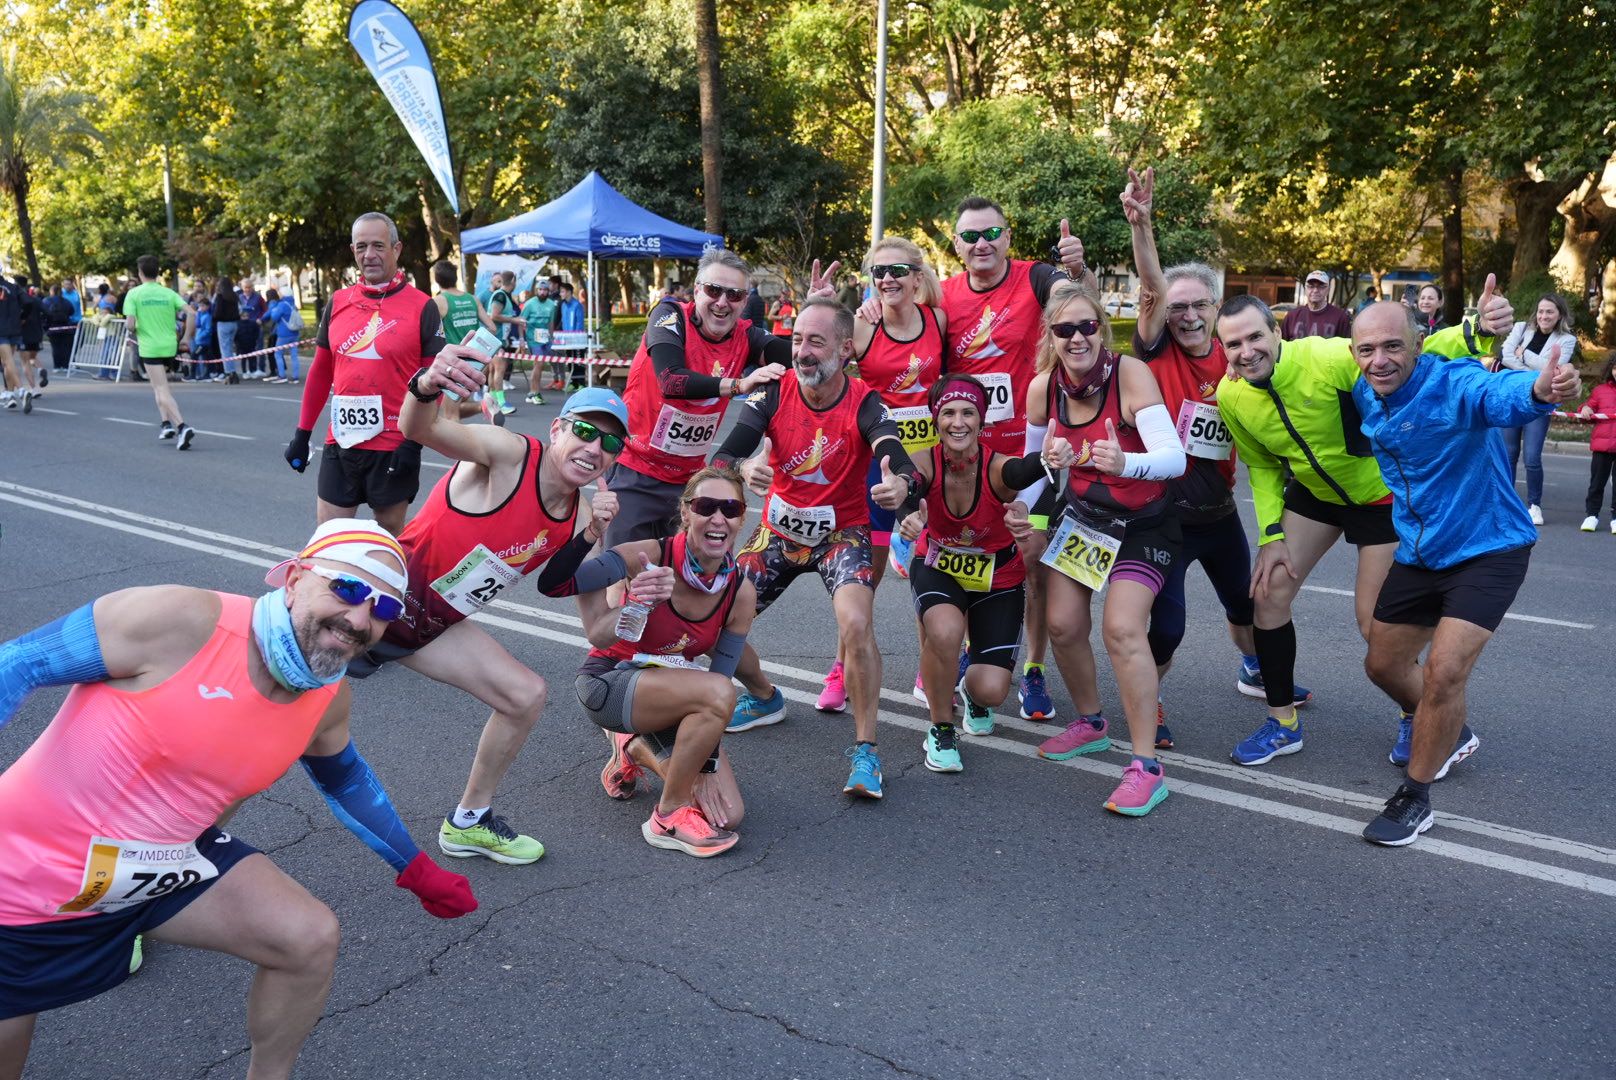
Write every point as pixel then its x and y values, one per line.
pixel 1276 657
pixel 465 819
pixel 1404 714
pixel 1152 766
pixel 1289 723
pixel 1032 667
pixel 1422 790
pixel 1094 720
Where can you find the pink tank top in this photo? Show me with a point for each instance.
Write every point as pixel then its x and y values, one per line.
pixel 120 781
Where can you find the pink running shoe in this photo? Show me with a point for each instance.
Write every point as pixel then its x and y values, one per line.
pixel 834 697
pixel 688 830
pixel 1139 791
pixel 1080 737
pixel 920 687
pixel 621 776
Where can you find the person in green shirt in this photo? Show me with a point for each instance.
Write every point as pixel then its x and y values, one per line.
pixel 153 311
pixel 462 313
pixel 502 308
pixel 542 313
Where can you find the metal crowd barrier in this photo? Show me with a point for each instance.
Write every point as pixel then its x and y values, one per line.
pixel 99 347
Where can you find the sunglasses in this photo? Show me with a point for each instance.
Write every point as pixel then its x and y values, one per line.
pixel 1086 327
pixel 734 296
pixel 706 506
pixel 971 236
pixel 355 591
pixel 894 270
pixel 612 444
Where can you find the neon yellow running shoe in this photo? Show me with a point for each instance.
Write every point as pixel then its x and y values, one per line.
pixel 136 956
pixel 492 838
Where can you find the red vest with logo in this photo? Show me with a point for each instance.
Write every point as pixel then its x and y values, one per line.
pixel 902 372
pixel 1083 480
pixel 668 632
pixel 376 346
pixel 820 458
pixel 981 528
pixel 994 335
pixel 1185 378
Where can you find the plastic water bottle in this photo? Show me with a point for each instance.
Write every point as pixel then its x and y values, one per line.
pixel 631 618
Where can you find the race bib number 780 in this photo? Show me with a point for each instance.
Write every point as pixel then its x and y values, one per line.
pixel 119 874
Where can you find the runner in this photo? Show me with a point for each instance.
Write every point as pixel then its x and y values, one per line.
pixel 1115 530
pixel 1174 337
pixel 373 335
pixel 152 310
pixel 503 309
pixel 507 507
pixel 1288 407
pixel 17 392
pixel 899 357
pixel 145 759
pixel 1464 537
pixel 654 691
pixel 462 313
pixel 968 578
pixel 34 374
pixel 688 366
pixel 541 314
pixel 814 517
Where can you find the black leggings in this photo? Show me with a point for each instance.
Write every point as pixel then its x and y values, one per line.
pixel 1221 548
pixel 992 619
pixel 1603 463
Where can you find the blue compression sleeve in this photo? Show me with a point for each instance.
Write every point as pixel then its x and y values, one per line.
pixel 57 654
pixel 357 798
pixel 727 652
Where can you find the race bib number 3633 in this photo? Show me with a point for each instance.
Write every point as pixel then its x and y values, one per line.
pixel 355 418
pixel 1082 552
pixel 118 874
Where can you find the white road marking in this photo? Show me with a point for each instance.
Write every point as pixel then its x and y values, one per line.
pixel 266 397
pixel 121 420
pixel 106 517
pixel 199 431
pixel 58 412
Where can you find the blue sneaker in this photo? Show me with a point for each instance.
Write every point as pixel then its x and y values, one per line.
pixel 1462 748
pixel 752 711
pixel 1034 696
pixel 1272 740
pixel 1250 684
pixel 865 779
pixel 899 552
pixel 1404 747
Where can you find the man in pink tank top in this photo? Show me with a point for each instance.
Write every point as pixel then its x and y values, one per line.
pixel 184 703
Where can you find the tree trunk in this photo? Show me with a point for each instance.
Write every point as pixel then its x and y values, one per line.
pixel 25 226
pixel 414 258
pixel 711 85
pixel 1453 279
pixel 1605 317
pixel 429 218
pixel 1589 212
pixel 1535 203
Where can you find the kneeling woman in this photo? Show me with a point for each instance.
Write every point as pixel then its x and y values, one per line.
pixel 655 687
pixel 966 575
pixel 1116 530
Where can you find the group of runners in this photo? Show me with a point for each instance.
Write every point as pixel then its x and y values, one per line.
pixel 983 435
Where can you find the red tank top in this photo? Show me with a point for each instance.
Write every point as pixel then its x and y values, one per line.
pixel 981 528
pixel 459 562
pixel 669 632
pixel 670 439
pixel 902 372
pixel 1185 380
pixel 1083 480
pixel 994 335
pixel 376 345
pixel 820 461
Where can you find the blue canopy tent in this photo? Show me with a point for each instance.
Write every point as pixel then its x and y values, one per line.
pixel 593 220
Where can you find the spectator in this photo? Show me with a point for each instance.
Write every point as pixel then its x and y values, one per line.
pixel 754 310
pixel 202 346
pixel 784 314
pixel 1428 310
pixel 541 313
pixel 226 314
pixel 1318 317
pixel 33 333
pixel 1601 402
pixel 849 295
pixel 571 318
pixel 15 391
pixel 287 322
pixel 1542 341
pixel 249 330
pixel 59 327
pixel 105 302
pixel 1370 296
pixel 502 308
pixel 71 294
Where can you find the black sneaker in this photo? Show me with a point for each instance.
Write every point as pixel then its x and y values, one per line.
pixel 166 431
pixel 27 401
pixel 1400 824
pixel 1463 748
pixel 44 377
pixel 187 433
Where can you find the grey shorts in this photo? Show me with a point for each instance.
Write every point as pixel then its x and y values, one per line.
pixel 608 697
pixel 647 508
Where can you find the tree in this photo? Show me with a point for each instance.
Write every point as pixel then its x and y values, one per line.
pixel 708 79
pixel 40 122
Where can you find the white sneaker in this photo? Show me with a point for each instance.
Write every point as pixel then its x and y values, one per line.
pixel 1613 526
pixel 1535 512
pixel 1591 522
pixel 9 399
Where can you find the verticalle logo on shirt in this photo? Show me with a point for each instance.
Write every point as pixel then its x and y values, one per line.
pixel 361 344
pixel 519 553
pixel 909 381
pixel 1083 454
pixel 1209 391
pixel 670 321
pixel 809 465
pixel 674 647
pixel 981 345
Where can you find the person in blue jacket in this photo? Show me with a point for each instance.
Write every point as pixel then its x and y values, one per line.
pixel 1464 537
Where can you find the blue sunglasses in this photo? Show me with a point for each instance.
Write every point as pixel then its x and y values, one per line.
pixel 355 591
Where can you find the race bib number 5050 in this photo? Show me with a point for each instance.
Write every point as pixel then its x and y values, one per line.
pixel 118 874
pixel 1203 432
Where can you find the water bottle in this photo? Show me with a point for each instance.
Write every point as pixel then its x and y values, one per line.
pixel 631 618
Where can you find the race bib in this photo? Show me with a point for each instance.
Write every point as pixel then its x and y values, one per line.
pixel 118 874
pixel 541 336
pixel 476 581
pixel 916 430
pixel 355 418
pixel 1083 552
pixel 645 660
pixel 972 569
pixel 684 434
pixel 807 525
pixel 1203 432
pixel 1001 402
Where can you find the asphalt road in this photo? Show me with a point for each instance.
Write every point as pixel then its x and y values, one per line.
pixel 993 924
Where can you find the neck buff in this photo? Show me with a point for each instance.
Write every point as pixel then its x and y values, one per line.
pixel 1090 382
pixel 277 641
pixel 690 569
pixel 376 292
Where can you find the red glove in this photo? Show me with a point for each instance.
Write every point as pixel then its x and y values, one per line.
pixel 444 894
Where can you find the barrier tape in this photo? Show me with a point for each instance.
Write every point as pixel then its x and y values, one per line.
pixel 552 358
pixel 1557 414
pixel 191 359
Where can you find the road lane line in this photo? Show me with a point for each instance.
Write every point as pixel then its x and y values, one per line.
pixel 58 412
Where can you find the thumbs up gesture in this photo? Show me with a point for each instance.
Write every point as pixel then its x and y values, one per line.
pixel 911 526
pixel 653 584
pixel 1557 382
pixel 892 488
pixel 756 472
pixel 1069 249
pixel 1494 315
pixel 1058 453
pixel 1107 454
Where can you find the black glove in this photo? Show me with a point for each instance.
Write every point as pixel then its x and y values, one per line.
pixel 297 451
pixel 406 459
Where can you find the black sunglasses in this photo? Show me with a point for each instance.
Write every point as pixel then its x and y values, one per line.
pixel 892 270
pixel 1065 330
pixel 588 432
pixel 707 506
pixel 971 236
pixel 734 296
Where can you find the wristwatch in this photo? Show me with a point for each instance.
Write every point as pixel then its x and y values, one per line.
pixel 425 399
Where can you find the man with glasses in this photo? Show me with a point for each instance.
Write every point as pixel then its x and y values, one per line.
pixel 995 311
pixel 1318 317
pixel 372 335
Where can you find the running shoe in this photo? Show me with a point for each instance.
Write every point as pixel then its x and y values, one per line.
pixel 1590 523
pixel 834 697
pixel 491 413
pixel 187 434
pixel 752 711
pixel 574 387
pixel 27 401
pixel 1613 526
pixel 1463 748
pixel 959 675
pixel 506 408
pixel 44 378
pixel 10 399
pixel 274 379
pixel 1036 703
pixel 865 779
pixel 1140 791
pixel 166 431
pixel 534 398
pixel 1085 735
pixel 688 830
pixel 898 555
pixel 621 776
pixel 1164 734
pixel 137 955
pixel 1535 512
pixel 555 384
pixel 920 688
pixel 978 718
pixel 1251 685
pixel 942 749
pixel 491 837
pixel 1268 742
pixel 1403 747
pixel 1407 815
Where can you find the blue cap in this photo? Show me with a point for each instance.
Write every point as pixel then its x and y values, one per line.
pixel 596 399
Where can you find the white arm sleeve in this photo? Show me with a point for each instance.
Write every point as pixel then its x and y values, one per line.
pixel 1035 445
pixel 1163 458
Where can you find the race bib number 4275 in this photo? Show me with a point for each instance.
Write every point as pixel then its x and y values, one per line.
pixel 807 525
